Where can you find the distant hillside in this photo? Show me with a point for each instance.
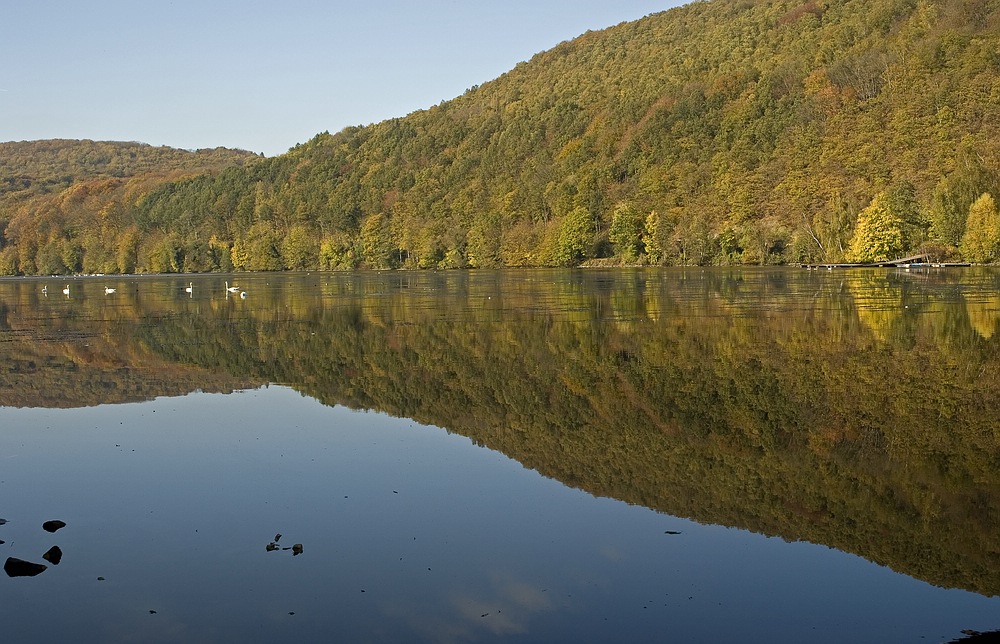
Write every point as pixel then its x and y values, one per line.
pixel 724 131
pixel 35 167
pixel 68 206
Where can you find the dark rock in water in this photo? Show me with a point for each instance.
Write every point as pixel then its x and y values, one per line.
pixel 52 526
pixel 19 568
pixel 53 556
pixel 976 637
pixel 297 549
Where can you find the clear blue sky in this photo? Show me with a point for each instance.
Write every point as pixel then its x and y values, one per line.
pixel 262 75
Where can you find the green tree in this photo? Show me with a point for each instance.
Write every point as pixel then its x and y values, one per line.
pixel 262 248
pixel 376 246
pixel 299 249
pixel 625 232
pixel 483 241
pixel 947 217
pixel 49 258
pixel 198 257
pixel 902 201
pixel 575 237
pixel 337 252
pixel 240 254
pixel 166 255
pixel 221 254
pixel 98 255
pixel 879 233
pixel 127 250
pixel 8 261
pixel 981 242
pixel 653 237
pixel 72 255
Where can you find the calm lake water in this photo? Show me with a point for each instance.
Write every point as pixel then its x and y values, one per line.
pixel 772 455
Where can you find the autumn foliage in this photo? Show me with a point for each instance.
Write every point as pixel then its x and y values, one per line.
pixel 757 132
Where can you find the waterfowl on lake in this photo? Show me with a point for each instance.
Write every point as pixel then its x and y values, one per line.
pixel 108 291
pixel 189 288
pixel 243 295
pixel 231 289
pixel 66 290
pixel 45 290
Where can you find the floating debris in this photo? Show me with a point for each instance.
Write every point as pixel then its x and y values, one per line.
pixel 15 567
pixel 272 546
pixel 3 521
pixel 671 532
pixel 53 556
pixel 52 526
pixel 100 579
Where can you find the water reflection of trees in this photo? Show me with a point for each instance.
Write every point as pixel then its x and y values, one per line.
pixel 857 410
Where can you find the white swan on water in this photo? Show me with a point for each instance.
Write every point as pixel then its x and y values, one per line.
pixel 66 290
pixel 189 288
pixel 231 289
pixel 108 291
pixel 243 295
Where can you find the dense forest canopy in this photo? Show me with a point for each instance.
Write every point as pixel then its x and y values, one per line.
pixel 723 131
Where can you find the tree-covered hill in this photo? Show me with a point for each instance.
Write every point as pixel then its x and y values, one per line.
pixel 65 204
pixel 724 131
pixel 30 168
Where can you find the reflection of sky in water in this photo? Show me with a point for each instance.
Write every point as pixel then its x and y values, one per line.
pixel 409 533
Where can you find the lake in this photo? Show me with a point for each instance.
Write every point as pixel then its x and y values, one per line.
pixel 683 455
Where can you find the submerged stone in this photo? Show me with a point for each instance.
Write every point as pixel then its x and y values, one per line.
pixel 52 526
pixel 53 556
pixel 15 567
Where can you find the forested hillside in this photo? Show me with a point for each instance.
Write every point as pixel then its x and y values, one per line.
pixel 68 206
pixel 29 168
pixel 724 131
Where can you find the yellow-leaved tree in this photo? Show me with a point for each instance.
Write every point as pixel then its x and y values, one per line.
pixel 981 241
pixel 878 236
